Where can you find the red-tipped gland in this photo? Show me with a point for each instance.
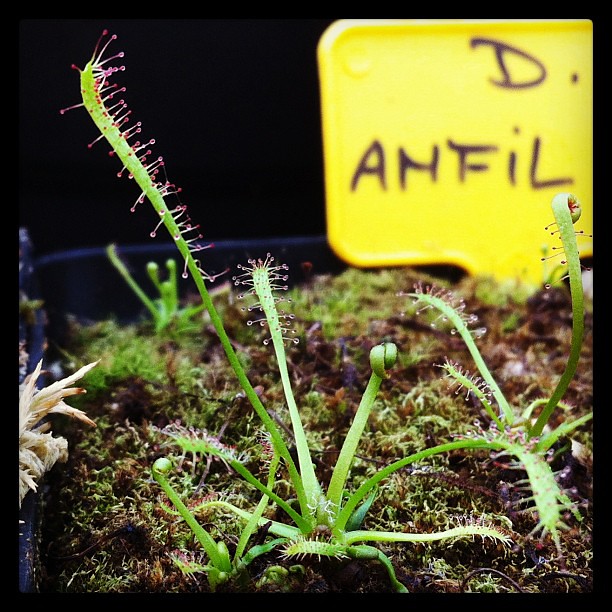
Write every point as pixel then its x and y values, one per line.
pixel 575 208
pixel 65 110
pixel 573 204
pixel 117 116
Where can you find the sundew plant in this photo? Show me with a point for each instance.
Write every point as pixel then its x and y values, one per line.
pixel 323 520
pixel 527 440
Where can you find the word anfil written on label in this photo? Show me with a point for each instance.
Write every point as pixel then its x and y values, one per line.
pixel 445 140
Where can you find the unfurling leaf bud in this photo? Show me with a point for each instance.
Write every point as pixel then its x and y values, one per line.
pixel 382 358
pixel 573 203
pixel 162 466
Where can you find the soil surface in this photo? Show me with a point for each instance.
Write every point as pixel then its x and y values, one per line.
pixel 108 527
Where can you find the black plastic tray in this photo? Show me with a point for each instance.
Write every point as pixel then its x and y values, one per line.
pixel 83 282
pixel 32 332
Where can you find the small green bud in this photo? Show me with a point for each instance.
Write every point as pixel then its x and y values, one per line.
pixel 573 203
pixel 225 557
pixel 153 271
pixel 162 465
pixel 382 358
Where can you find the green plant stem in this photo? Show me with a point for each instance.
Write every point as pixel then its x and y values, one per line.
pixel 347 453
pixel 368 485
pixel 565 225
pixel 463 330
pixel 263 289
pixel 123 150
pixel 548 439
pixel 382 358
pixel 280 529
pixel 111 251
pixel 253 522
pixel 311 484
pixel 304 525
pixel 159 470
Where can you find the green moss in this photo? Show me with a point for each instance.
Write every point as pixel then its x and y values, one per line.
pixel 496 293
pixel 145 380
pixel 348 302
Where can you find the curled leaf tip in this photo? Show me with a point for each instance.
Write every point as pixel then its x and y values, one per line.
pixel 573 203
pixel 162 465
pixel 382 358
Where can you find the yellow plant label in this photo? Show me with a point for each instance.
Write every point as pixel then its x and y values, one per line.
pixel 445 141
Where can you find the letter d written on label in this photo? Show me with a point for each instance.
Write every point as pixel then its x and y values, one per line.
pixel 501 49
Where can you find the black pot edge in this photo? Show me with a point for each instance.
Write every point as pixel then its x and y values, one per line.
pixel 83 282
pixel 33 334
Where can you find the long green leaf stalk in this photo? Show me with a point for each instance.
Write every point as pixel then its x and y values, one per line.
pixel 111 119
pixel 567 210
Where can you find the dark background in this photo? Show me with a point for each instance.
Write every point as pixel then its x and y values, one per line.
pixel 232 103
